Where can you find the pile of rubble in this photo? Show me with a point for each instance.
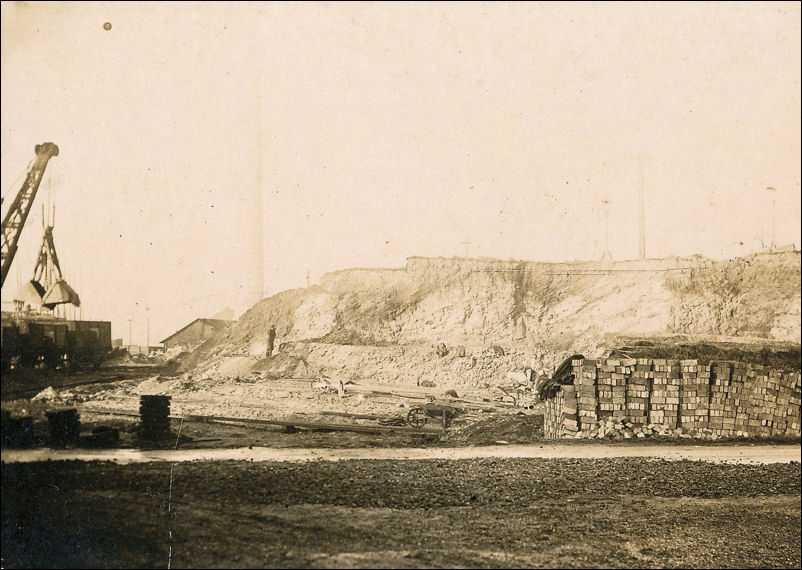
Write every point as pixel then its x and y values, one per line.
pixel 612 429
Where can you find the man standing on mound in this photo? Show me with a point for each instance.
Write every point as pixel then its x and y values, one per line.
pixel 271 339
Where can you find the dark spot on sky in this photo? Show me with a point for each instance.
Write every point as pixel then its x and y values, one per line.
pixel 107 26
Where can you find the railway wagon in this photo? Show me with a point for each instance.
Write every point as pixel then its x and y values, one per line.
pixel 34 341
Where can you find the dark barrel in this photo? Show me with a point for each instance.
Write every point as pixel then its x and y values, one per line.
pixel 64 425
pixel 154 413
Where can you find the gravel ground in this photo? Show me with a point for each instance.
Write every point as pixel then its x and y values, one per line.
pixel 411 514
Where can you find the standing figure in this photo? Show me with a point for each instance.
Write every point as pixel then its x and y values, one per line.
pixel 271 339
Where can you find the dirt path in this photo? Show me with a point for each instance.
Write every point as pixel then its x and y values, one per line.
pixel 759 454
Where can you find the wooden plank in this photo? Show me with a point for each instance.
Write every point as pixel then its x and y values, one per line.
pixel 300 424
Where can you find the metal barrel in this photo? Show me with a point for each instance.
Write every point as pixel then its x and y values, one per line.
pixel 154 413
pixel 17 432
pixel 64 426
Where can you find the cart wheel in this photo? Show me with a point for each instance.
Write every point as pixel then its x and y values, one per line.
pixel 84 360
pixel 417 417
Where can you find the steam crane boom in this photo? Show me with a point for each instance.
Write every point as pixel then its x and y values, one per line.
pixel 21 206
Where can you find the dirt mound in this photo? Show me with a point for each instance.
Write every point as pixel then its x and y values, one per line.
pixel 285 365
pixel 518 428
pixel 778 358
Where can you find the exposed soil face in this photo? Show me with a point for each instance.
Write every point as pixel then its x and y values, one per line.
pixel 491 513
pixel 484 302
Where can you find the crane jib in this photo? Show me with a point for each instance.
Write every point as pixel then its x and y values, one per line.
pixel 18 211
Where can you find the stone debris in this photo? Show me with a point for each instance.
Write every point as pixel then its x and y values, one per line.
pixel 47 394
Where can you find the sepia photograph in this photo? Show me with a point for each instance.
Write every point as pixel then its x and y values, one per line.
pixel 401 284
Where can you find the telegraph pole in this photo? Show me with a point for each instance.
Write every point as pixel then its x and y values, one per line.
pixel 773 191
pixel 606 255
pixel 641 211
pixel 467 244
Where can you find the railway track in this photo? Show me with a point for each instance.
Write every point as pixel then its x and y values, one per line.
pixel 60 382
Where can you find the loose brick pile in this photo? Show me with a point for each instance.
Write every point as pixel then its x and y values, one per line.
pixel 624 398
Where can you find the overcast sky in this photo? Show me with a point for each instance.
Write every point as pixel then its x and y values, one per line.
pixel 381 131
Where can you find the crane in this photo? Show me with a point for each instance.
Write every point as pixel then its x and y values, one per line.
pixel 19 209
pixel 48 287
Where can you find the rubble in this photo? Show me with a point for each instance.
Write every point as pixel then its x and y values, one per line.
pixel 47 394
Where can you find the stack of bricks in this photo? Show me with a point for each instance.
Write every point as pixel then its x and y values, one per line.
pixel 694 396
pixel 570 419
pixel 618 379
pixel 789 399
pixel 604 382
pixel 738 400
pixel 553 416
pixel 638 389
pixel 585 384
pixel 664 403
pixel 673 389
pixel 676 398
pixel 720 377
pixel 738 380
pixel 767 406
pixel 758 390
pixel 702 395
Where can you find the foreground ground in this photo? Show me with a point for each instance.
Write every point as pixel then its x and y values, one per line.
pixel 429 513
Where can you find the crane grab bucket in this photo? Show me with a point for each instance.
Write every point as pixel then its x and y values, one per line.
pixel 59 293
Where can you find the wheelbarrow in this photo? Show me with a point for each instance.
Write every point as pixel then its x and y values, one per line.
pixel 418 416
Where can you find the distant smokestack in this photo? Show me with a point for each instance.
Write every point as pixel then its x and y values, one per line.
pixel 641 211
pixel 257 288
pixel 606 206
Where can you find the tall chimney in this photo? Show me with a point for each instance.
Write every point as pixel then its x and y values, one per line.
pixel 641 212
pixel 257 289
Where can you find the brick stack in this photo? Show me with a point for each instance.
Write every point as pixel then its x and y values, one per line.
pixel 790 392
pixel 569 415
pixel 732 401
pixel 643 397
pixel 770 413
pixel 694 394
pixel 767 407
pixel 638 389
pixel 553 416
pixel 738 400
pixel 604 383
pixel 585 384
pixel 664 402
pixel 618 379
pixel 720 377
pixel 673 385
pixel 702 396
pixel 757 411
